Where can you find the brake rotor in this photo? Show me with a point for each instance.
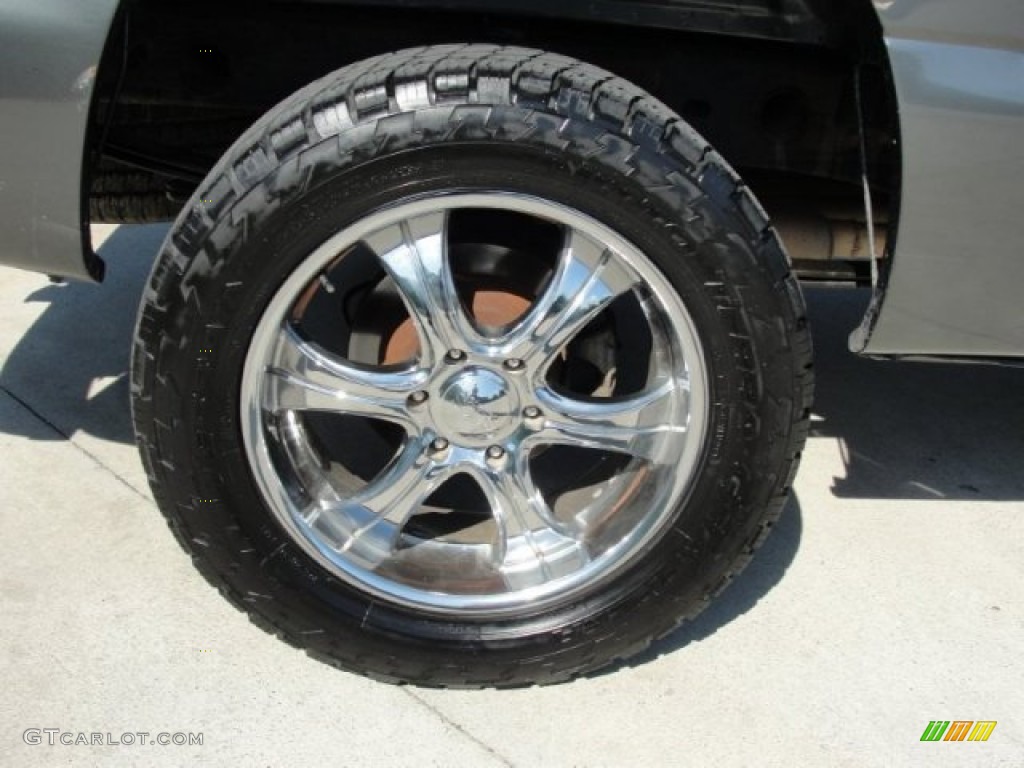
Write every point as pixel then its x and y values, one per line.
pixel 490 309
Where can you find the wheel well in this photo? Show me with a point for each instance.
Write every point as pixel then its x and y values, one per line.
pixel 772 84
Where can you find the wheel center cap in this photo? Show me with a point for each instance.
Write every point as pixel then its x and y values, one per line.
pixel 475 405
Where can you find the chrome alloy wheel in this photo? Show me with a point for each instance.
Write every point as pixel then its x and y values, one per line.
pixel 480 401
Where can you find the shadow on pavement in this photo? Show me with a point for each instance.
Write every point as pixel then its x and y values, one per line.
pixel 913 430
pixel 71 366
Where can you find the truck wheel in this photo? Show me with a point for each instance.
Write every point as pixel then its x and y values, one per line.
pixel 471 366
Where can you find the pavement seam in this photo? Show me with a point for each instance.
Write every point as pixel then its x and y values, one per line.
pixel 56 429
pixel 459 728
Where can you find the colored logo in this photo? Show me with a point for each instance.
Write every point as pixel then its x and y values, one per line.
pixel 958 730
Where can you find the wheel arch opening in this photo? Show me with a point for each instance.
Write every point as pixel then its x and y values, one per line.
pixel 795 94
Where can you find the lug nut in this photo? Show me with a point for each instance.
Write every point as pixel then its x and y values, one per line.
pixel 533 417
pixel 438 448
pixel 455 356
pixel 515 364
pixel 496 456
pixel 418 398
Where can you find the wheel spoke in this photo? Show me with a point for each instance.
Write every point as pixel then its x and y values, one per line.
pixel 634 425
pixel 308 465
pixel 587 279
pixel 415 254
pixel 532 545
pixel 302 376
pixel 373 518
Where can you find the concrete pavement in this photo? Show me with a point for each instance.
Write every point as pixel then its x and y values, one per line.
pixel 890 595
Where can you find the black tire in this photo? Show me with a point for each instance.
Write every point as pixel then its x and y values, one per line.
pixel 467 117
pixel 129 197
